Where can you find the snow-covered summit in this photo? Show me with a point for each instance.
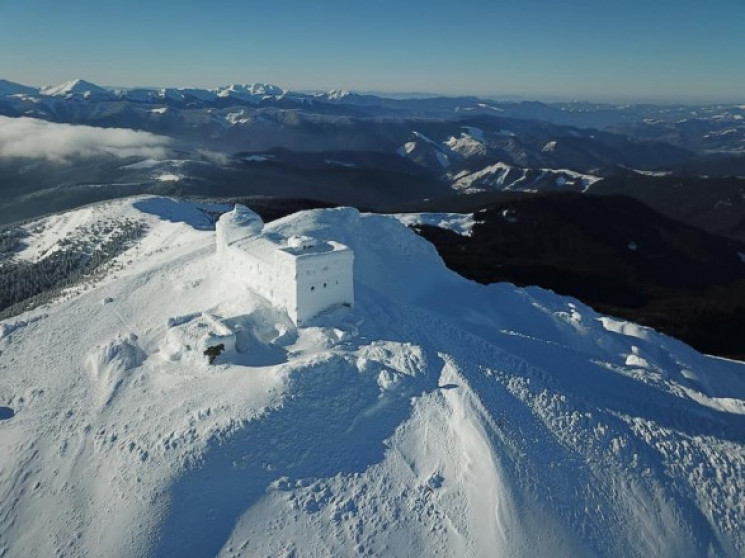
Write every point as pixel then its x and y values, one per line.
pixel 437 416
pixel 76 87
pixel 249 91
pixel 469 144
pixel 337 94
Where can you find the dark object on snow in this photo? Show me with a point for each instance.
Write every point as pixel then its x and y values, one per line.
pixel 6 413
pixel 213 352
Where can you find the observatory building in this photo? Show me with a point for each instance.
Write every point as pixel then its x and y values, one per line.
pixel 302 275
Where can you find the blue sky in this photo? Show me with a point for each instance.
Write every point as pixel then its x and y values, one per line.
pixel 689 50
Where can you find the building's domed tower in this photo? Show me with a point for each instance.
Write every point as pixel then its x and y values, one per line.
pixel 236 225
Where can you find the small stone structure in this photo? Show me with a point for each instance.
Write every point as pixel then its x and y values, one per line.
pixel 301 275
pixel 191 335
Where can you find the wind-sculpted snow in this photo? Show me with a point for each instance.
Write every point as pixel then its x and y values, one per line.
pixel 438 416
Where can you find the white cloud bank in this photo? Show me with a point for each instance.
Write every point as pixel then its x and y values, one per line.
pixel 30 138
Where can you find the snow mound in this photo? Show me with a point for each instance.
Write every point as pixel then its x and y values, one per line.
pixel 110 365
pixel 193 335
pixel 438 416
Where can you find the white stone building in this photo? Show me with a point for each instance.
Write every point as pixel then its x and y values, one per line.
pixel 299 274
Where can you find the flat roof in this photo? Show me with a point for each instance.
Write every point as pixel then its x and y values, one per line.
pixel 264 246
pixel 320 247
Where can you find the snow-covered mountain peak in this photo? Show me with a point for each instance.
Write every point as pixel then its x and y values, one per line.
pixel 469 144
pixel 337 94
pixel 249 91
pixel 76 87
pixel 265 89
pixel 437 416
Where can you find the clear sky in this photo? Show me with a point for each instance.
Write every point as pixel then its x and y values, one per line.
pixel 684 50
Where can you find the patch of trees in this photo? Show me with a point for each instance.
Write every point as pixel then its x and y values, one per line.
pixel 10 240
pixel 25 285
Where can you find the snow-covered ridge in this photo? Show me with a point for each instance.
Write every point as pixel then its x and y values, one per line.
pixel 437 416
pixel 12 88
pixel 249 90
pixel 337 94
pixel 469 144
pixel 82 89
pixel 461 223
pixel 501 176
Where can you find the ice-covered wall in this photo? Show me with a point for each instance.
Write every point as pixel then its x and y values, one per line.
pixel 301 275
pixel 265 269
pixel 324 280
pixel 235 225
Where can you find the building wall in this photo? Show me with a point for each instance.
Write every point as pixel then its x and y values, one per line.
pixel 227 232
pixel 303 284
pixel 274 279
pixel 323 280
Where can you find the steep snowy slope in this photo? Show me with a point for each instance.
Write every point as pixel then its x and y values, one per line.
pixel 437 417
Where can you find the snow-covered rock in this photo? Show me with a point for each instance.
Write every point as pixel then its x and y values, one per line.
pixel 436 417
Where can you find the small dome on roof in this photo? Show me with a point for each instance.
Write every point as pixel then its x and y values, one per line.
pixel 304 242
pixel 242 217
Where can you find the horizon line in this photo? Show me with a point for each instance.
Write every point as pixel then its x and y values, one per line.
pixel 506 97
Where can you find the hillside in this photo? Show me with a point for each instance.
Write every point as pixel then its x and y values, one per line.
pixel 613 253
pixel 436 417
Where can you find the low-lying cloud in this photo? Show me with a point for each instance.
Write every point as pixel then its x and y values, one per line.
pixel 30 138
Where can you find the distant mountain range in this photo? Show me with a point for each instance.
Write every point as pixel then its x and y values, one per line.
pixel 705 129
pixel 380 153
